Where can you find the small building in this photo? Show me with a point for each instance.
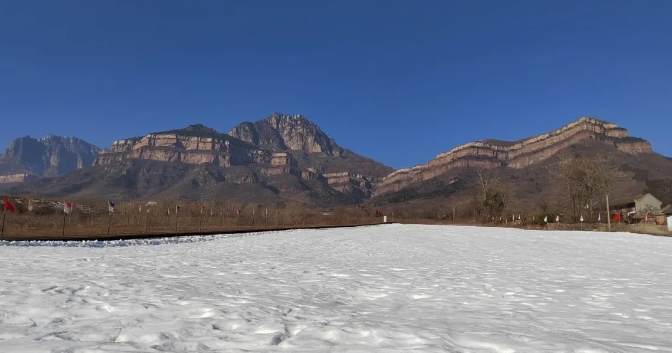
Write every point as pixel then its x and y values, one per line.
pixel 665 212
pixel 640 204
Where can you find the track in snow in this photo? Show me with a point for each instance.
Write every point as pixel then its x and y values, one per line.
pixel 387 288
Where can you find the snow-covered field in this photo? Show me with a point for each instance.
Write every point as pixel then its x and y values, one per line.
pixel 392 288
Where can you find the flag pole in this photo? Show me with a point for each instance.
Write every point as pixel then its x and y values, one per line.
pixel 4 216
pixel 63 230
pixel 176 207
pixel 608 214
pixel 109 222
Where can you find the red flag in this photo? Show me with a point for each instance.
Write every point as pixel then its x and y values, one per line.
pixel 617 217
pixel 67 207
pixel 240 211
pixel 8 206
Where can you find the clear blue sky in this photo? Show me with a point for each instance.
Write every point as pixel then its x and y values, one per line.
pixel 399 81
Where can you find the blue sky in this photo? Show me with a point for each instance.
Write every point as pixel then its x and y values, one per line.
pixel 399 81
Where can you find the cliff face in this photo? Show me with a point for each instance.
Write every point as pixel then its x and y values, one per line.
pixel 284 132
pixel 516 155
pixel 27 157
pixel 276 146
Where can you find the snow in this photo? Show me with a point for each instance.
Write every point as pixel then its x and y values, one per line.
pixel 389 288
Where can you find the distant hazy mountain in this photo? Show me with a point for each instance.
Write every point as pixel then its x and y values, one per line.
pixel 50 156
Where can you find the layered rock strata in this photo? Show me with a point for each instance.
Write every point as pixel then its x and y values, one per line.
pixel 516 155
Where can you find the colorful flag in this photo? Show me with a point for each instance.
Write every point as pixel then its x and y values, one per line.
pixel 617 217
pixel 8 206
pixel 546 219
pixel 557 218
pixel 67 207
pixel 581 218
pixel 110 206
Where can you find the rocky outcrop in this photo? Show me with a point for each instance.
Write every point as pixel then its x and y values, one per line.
pixel 46 157
pixel 285 132
pixel 516 155
pixel 16 178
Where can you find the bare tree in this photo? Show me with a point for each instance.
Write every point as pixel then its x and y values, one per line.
pixel 586 181
pixel 492 194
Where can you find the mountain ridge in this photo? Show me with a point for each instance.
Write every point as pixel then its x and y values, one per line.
pixel 284 158
pixel 491 153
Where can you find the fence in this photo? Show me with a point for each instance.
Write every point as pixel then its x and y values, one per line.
pixel 29 225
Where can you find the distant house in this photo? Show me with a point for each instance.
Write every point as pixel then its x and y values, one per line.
pixel 640 204
pixel 661 218
pixel 666 210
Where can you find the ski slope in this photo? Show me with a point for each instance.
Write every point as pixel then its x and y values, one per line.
pixel 391 288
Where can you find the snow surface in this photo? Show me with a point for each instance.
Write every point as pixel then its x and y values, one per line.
pixel 392 288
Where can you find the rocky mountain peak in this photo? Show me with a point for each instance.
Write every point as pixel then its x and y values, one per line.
pixel 199 128
pixel 48 156
pixel 287 132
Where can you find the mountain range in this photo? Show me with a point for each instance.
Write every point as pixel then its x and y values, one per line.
pixel 286 159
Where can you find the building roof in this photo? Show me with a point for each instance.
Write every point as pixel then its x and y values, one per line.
pixel 628 200
pixel 625 200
